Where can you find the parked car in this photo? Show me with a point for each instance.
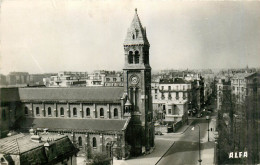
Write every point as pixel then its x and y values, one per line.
pixel 158 133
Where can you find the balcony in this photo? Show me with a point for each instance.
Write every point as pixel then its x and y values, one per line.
pixel 174 90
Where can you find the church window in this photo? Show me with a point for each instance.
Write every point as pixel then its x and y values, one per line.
pixel 130 57
pixel 49 111
pixel 37 111
pixel 25 110
pixel 74 111
pixel 115 112
pixel 80 141
pixel 101 112
pixel 137 57
pixel 88 112
pixel 3 114
pixel 62 111
pixel 94 142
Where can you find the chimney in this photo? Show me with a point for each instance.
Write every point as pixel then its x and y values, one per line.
pixel 36 138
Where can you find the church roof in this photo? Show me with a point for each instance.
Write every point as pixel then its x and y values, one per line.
pixel 136 34
pixel 75 124
pixel 86 94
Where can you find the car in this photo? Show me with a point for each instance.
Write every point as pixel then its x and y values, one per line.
pixel 158 133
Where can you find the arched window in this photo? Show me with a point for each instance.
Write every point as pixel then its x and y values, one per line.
pixel 115 112
pixel 37 111
pixel 94 141
pixel 137 57
pixel 25 110
pixel 49 111
pixel 101 112
pixel 88 112
pixel 3 114
pixel 108 149
pixel 130 57
pixel 62 111
pixel 80 141
pixel 74 111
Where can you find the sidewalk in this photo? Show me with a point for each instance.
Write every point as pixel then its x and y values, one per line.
pixel 207 155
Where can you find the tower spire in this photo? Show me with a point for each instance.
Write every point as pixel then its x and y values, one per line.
pixel 136 34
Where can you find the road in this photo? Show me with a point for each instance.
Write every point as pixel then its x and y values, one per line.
pixel 186 149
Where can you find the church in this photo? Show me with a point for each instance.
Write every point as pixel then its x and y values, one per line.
pixel 114 120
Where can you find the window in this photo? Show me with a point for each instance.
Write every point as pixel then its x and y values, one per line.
pixel 162 87
pixel 177 95
pixel 114 79
pixel 169 111
pixel 242 89
pixel 155 96
pixel 62 111
pixel 37 111
pixel 101 112
pixel 115 112
pixel 130 57
pixel 169 88
pixel 233 88
pixel 3 114
pixel 169 96
pixel 107 79
pixel 163 107
pixel 87 112
pixel 137 57
pixel 49 111
pixel 184 95
pixel 80 141
pixel 237 88
pixel 155 90
pixel 183 87
pixel 163 96
pixel 94 142
pixel 25 110
pixel 74 111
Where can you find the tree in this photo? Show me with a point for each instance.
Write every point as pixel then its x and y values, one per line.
pixel 101 159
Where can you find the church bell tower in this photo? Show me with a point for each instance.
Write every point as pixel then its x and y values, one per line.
pixel 137 85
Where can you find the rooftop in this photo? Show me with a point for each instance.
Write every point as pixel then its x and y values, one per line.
pixel 20 143
pixel 71 124
pixel 88 94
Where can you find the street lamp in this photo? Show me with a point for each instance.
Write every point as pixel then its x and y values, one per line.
pixel 207 118
pixel 199 143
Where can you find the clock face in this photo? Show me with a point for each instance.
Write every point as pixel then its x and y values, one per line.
pixel 134 80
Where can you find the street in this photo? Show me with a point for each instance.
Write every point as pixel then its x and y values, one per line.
pixel 186 149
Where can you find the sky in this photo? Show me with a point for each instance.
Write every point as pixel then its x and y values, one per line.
pixel 43 36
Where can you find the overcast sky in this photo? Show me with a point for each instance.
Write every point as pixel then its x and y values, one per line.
pixel 40 36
